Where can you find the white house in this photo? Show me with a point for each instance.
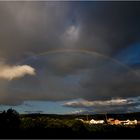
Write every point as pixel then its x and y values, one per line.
pixel 128 122
pixel 96 121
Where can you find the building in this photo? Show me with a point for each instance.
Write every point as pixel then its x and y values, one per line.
pixel 128 122
pixel 96 121
pixel 124 122
pixel 113 121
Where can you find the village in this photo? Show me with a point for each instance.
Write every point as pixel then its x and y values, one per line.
pixel 111 121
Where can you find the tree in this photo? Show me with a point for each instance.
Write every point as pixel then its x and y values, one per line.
pixel 9 119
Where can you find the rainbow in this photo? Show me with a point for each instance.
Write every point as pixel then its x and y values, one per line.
pixel 88 52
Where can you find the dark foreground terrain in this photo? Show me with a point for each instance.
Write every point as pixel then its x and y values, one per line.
pixel 33 126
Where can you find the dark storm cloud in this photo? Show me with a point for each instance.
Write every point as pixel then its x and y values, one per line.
pixel 91 81
pixel 31 28
pixel 109 26
pixel 105 27
pixel 120 105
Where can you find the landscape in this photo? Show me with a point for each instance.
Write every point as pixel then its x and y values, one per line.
pixel 69 69
pixel 68 126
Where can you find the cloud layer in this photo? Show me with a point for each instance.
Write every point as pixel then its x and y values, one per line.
pixel 85 103
pixel 119 105
pixel 11 72
pixel 107 29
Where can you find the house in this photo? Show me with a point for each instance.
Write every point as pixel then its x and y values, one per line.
pixel 134 122
pixel 96 121
pixel 113 121
pixel 117 122
pixel 124 122
pixel 128 122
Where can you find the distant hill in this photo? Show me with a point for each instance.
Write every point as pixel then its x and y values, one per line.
pixel 122 116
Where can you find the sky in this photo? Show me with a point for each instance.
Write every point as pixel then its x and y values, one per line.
pixel 70 57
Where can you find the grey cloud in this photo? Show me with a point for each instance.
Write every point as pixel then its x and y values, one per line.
pixel 84 103
pixel 62 78
pixel 109 26
pixel 31 28
pixel 114 105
